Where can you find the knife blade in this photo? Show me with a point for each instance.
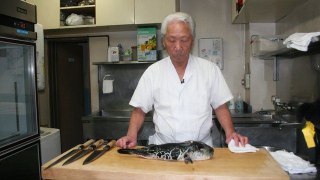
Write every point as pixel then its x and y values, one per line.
pixel 98 153
pixel 82 153
pixel 72 152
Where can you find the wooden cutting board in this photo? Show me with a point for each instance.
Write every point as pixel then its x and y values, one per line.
pixel 224 165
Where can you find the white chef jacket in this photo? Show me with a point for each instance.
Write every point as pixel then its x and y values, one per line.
pixel 182 111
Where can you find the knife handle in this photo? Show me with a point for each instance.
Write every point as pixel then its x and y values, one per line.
pixel 86 144
pixel 111 143
pixel 97 144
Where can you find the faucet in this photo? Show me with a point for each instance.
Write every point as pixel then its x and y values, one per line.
pixel 278 106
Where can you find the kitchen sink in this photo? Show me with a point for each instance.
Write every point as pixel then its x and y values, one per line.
pixel 287 117
pixel 286 121
pixel 281 120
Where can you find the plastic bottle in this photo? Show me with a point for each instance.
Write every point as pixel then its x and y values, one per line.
pixel 239 104
pixel 232 106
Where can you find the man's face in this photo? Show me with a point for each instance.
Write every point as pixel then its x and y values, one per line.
pixel 178 41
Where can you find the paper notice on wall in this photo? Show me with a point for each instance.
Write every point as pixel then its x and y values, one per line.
pixel 211 49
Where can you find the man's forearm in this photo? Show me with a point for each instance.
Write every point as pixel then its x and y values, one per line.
pixel 136 121
pixel 225 120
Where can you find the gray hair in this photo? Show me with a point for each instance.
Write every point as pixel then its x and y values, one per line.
pixel 178 16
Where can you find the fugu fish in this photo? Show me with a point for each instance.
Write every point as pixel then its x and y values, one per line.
pixel 188 151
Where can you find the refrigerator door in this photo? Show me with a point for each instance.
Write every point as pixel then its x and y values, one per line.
pixel 18 105
pixel 22 163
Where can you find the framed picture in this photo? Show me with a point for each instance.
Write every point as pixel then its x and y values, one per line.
pixel 211 49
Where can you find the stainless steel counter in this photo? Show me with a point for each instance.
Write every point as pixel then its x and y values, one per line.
pixel 266 130
pixel 280 131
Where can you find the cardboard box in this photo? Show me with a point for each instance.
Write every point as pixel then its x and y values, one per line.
pixel 147 44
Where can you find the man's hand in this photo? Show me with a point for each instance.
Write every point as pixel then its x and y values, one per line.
pixel 243 140
pixel 136 120
pixel 126 142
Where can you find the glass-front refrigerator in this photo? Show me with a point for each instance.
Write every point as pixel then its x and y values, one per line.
pixel 19 128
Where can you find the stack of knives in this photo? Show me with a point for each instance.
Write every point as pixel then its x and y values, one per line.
pixel 84 149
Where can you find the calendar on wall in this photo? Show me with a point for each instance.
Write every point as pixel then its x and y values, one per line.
pixel 211 49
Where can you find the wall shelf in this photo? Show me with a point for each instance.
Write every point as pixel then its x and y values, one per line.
pixel 77 26
pixel 123 62
pixel 268 47
pixel 262 11
pixel 85 10
pixel 313 48
pixel 78 7
pixel 88 10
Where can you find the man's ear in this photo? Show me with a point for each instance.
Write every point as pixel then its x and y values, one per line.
pixel 164 46
pixel 162 40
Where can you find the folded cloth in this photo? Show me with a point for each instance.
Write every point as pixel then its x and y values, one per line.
pixel 301 41
pixel 241 149
pixel 292 163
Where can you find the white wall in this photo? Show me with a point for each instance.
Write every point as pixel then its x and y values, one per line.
pixel 262 84
pixel 125 38
pixel 213 19
pixel 98 52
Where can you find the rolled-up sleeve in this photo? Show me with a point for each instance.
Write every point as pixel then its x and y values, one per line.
pixel 142 96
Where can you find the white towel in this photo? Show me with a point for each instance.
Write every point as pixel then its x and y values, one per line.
pixel 301 41
pixel 241 149
pixel 292 163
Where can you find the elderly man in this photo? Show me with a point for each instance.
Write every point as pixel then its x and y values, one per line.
pixel 182 89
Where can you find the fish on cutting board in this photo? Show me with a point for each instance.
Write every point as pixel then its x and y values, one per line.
pixel 187 151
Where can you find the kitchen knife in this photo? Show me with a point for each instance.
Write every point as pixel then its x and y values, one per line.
pixel 98 153
pixel 82 153
pixel 72 152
